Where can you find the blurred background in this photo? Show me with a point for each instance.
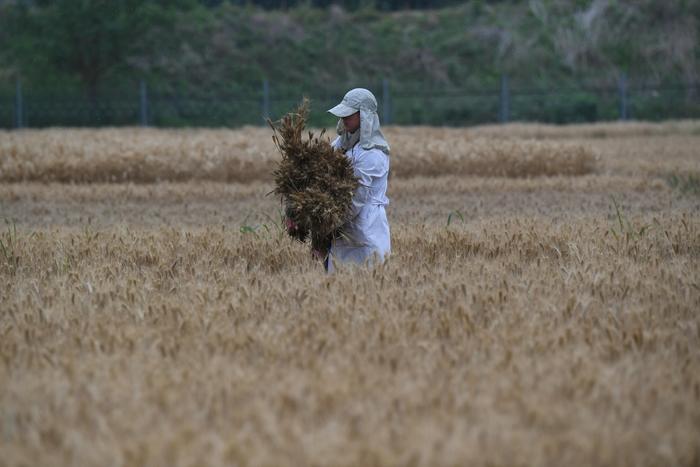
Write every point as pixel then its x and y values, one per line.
pixel 224 63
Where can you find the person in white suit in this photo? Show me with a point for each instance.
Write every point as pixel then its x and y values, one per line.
pixel 366 236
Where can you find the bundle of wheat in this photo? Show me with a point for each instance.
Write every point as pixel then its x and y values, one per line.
pixel 315 180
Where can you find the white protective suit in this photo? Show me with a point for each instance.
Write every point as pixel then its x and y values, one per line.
pixel 366 235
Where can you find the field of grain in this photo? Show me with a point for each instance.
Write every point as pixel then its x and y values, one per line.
pixel 540 306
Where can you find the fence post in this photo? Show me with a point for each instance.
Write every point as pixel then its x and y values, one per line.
pixel 143 92
pixel 504 107
pixel 386 111
pixel 622 92
pixel 266 100
pixel 19 105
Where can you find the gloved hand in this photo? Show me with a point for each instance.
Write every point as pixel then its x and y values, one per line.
pixel 318 255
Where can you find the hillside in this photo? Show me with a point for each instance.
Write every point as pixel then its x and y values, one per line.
pixel 224 53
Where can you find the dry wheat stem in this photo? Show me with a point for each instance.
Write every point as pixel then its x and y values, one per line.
pixel 139 325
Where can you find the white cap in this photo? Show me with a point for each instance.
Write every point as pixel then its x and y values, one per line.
pixel 341 110
pixel 353 101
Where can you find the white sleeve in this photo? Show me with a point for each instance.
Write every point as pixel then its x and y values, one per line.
pixel 370 165
pixel 335 144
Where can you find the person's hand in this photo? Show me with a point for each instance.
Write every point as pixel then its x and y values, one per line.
pixel 317 255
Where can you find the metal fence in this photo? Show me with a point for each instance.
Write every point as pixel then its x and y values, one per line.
pixel 426 105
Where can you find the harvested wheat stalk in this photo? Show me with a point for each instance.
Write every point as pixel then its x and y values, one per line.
pixel 316 181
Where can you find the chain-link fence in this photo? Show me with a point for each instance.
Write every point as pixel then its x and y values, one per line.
pixel 23 107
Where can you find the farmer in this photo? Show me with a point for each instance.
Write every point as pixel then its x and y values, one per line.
pixel 366 235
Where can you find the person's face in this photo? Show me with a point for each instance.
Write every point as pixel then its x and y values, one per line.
pixel 352 122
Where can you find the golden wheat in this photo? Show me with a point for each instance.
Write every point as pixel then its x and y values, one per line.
pixel 554 321
pixel 172 346
pixel 590 130
pixel 149 155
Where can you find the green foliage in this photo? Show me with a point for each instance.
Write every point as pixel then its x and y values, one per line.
pixel 269 227
pixel 625 229
pixel 9 251
pixel 687 184
pixel 218 52
pixel 86 40
pixel 454 214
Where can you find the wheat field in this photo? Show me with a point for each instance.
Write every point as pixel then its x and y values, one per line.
pixel 540 307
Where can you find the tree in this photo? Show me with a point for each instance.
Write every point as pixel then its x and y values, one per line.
pixel 85 39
